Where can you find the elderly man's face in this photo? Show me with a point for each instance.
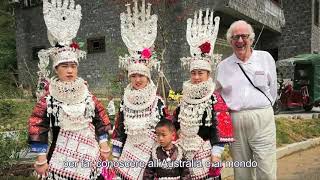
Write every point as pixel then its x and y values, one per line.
pixel 67 71
pixel 240 41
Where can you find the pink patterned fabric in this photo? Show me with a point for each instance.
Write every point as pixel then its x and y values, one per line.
pixel 108 173
pixel 215 172
pixel 224 125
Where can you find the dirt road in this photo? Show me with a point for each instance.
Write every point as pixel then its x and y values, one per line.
pixel 302 165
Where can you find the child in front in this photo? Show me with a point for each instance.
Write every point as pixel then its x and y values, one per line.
pixel 164 154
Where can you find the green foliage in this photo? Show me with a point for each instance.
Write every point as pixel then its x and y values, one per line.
pixel 5 7
pixel 7 51
pixel 7 39
pixel 8 57
pixel 282 134
pixel 6 109
pixel 17 117
pixel 290 131
pixel 8 86
pixel 81 42
pixel 115 84
pixel 17 178
pixel 10 147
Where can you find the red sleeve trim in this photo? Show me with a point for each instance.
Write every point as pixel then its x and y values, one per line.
pixel 224 121
pixel 101 110
pixel 37 116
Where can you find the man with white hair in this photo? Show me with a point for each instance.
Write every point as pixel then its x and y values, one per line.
pixel 247 82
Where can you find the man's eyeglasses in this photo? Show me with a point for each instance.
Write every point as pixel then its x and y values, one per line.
pixel 237 37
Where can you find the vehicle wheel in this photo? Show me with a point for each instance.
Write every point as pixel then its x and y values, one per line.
pixel 277 107
pixel 308 107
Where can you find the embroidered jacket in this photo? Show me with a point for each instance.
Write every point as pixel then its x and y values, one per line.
pixel 155 171
pixel 40 123
pixel 220 130
pixel 119 136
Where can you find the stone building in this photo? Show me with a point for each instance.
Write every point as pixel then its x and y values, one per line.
pixel 99 34
pixel 301 34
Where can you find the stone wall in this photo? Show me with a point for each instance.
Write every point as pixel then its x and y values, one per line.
pixel 100 18
pixel 315 33
pixel 260 11
pixel 30 32
pixel 297 34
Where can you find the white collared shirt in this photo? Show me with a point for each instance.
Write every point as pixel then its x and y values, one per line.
pixel 236 89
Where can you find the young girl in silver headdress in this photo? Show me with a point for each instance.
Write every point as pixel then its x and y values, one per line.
pixel 202 116
pixel 68 111
pixel 141 109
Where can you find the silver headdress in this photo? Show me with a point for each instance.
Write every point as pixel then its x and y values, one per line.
pixel 201 34
pixel 62 19
pixel 138 32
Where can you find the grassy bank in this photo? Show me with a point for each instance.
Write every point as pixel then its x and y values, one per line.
pixel 14 116
pixel 291 131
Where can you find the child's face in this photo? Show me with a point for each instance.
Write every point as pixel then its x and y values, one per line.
pixel 164 136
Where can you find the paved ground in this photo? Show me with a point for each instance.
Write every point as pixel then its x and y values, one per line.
pixel 301 111
pixel 301 165
pixel 304 165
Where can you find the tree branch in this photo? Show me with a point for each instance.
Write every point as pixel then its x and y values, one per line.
pixel 6 13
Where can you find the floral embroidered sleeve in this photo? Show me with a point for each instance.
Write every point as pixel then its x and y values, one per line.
pixel 119 136
pixel 100 121
pixel 220 131
pixel 224 125
pixel 38 127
